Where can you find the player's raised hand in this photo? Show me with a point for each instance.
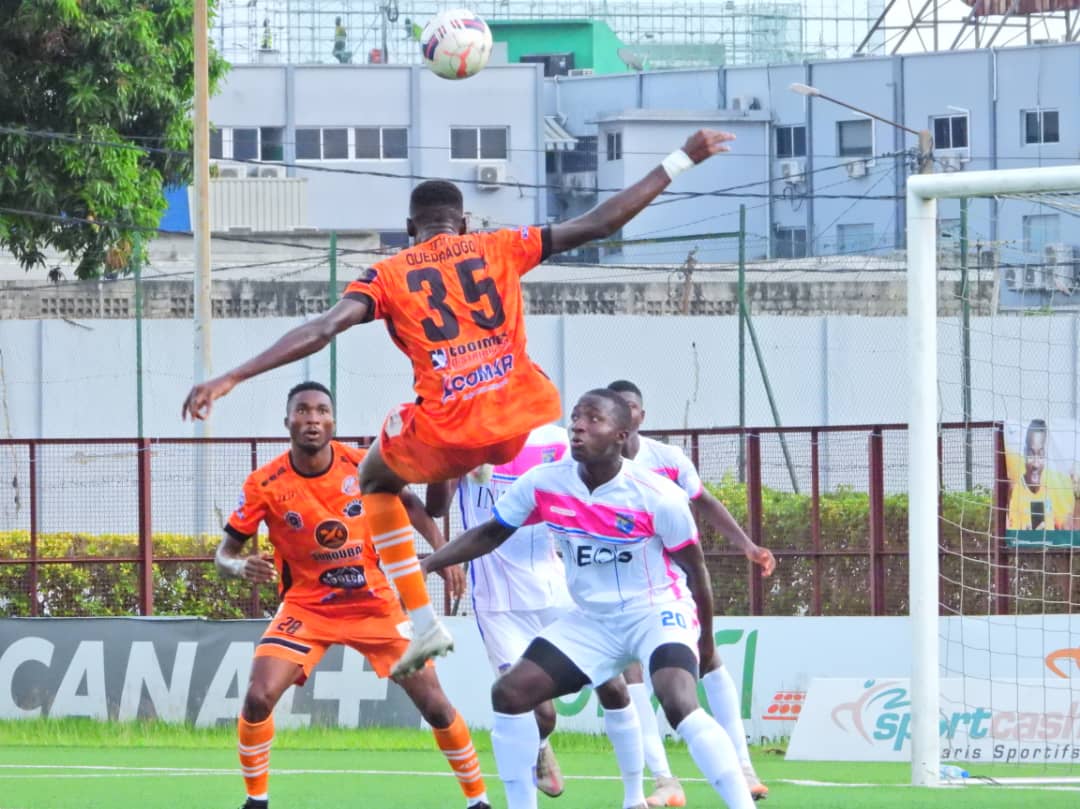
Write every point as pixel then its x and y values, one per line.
pixel 704 143
pixel 763 557
pixel 260 569
pixel 200 398
pixel 454 577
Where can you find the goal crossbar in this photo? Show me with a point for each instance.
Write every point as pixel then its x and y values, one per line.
pixel 923 191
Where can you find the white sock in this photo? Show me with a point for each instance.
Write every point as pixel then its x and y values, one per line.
pixel 515 739
pixel 481 798
pixel 422 618
pixel 655 755
pixel 714 755
pixel 724 704
pixel 623 729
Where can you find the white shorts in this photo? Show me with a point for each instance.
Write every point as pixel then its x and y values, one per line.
pixel 603 645
pixel 507 633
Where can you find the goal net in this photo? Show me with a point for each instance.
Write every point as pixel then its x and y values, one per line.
pixel 994 472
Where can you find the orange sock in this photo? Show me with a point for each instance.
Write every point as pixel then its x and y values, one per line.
pixel 255 741
pixel 457 746
pixel 393 536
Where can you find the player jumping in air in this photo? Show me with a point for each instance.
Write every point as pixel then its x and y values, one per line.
pixel 453 305
pixel 638 578
pixel 332 590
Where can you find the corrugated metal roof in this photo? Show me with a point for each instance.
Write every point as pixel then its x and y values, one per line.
pixel 556 138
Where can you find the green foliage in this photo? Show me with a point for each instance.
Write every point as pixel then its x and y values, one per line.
pixel 181 586
pixel 104 72
pixel 843 568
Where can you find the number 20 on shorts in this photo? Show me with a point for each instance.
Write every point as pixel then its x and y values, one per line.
pixel 672 618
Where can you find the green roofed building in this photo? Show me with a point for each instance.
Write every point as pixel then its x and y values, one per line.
pixel 564 47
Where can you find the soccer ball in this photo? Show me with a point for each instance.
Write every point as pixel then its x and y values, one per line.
pixel 456 44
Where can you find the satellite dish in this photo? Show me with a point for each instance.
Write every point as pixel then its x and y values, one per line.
pixel 631 59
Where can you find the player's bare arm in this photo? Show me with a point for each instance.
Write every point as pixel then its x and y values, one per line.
pixel 611 214
pixel 719 518
pixel 691 559
pixel 454 576
pixel 231 560
pixel 482 539
pixel 293 345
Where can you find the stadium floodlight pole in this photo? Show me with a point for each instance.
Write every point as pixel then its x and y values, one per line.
pixel 201 227
pixel 926 143
pixel 923 193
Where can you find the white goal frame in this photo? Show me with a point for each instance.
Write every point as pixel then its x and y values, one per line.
pixel 923 192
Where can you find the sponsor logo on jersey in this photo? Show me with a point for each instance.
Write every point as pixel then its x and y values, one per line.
pixel 240 501
pixel 469 354
pixel 350 485
pixel 590 555
pixel 285 497
pixel 566 512
pixel 347 578
pixel 294 520
pixel 331 534
pixel 354 508
pixel 337 556
pixel 439 360
pixel 489 374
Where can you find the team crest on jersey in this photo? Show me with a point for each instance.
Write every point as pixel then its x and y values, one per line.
pixel 331 534
pixel 350 485
pixel 547 454
pixel 294 520
pixel 368 275
pixel 354 508
pixel 624 523
pixel 439 360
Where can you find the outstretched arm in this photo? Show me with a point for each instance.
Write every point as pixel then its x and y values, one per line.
pixel 295 344
pixel 719 518
pixel 484 538
pixel 611 214
pixel 453 575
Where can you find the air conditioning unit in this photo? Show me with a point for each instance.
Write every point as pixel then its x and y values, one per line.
pixel 579 183
pixel 580 71
pixel 272 171
pixel 1063 266
pixel 745 103
pixel 989 258
pixel 490 176
pixel 856 169
pixel 793 171
pixel 951 163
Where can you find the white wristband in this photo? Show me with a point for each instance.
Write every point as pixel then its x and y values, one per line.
pixel 676 163
pixel 237 566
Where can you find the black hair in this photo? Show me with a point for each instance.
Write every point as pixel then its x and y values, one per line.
pixel 305 386
pixel 1036 426
pixel 623 417
pixel 435 196
pixel 626 386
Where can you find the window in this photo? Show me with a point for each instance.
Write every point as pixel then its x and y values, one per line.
pixel 1039 231
pixel 789 242
pixel 272 143
pixel 375 143
pixel 854 238
pixel 1040 126
pixel 245 144
pixel 308 144
pixel 791 141
pixel 313 143
pixel 335 144
pixel 483 143
pixel 950 131
pixel 855 138
pixel 217 144
pixel 614 146
pixel 582 157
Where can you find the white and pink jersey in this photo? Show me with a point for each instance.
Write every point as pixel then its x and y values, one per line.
pixel 523 573
pixel 671 462
pixel 616 540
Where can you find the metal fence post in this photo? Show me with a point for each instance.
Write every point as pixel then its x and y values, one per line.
pixel 877 522
pixel 753 505
pixel 146 537
pixel 32 448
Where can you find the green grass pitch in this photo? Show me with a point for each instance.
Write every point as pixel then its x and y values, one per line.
pixel 73 764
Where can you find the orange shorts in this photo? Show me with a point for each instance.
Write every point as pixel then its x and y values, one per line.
pixel 417 462
pixel 302 635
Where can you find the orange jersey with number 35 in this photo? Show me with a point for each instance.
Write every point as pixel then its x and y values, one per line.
pixel 453 305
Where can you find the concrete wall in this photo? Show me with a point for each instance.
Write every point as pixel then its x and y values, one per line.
pixel 67 379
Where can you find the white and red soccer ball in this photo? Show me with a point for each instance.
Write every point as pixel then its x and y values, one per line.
pixel 456 44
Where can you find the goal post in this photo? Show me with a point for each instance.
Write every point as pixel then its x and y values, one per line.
pixel 923 192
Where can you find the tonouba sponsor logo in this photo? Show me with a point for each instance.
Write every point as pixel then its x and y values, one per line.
pixel 478 377
pixel 334 556
pixel 466 355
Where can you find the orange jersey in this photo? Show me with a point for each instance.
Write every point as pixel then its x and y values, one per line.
pixel 453 305
pixel 322 545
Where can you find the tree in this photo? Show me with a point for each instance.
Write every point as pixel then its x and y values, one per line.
pixel 95 106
